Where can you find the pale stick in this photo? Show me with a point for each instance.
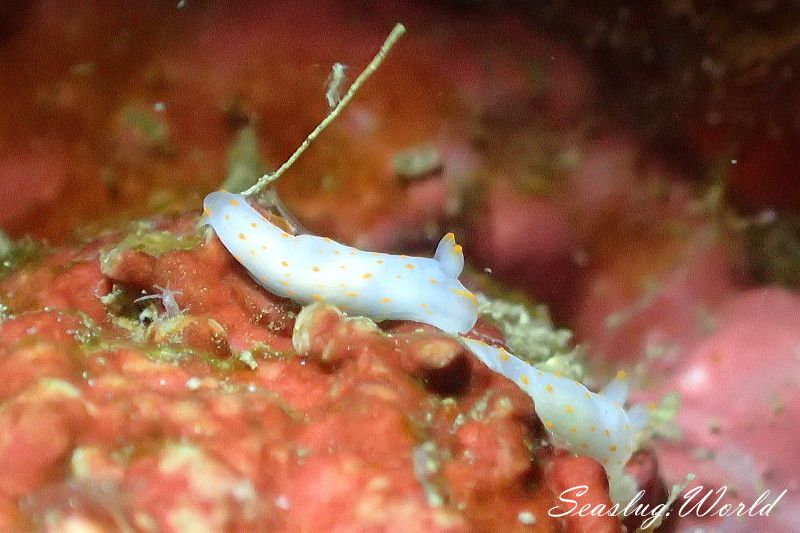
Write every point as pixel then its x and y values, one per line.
pixel 373 65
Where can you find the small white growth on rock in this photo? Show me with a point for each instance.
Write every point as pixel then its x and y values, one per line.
pixel 167 297
pixel 247 358
pixel 282 502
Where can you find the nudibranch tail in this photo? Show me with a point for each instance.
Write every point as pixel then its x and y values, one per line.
pixel 577 419
pixel 307 268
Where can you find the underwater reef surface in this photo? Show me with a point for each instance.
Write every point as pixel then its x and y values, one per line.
pixel 147 382
pixel 484 122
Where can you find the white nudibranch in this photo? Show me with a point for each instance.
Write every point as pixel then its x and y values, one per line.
pixel 576 418
pixel 306 268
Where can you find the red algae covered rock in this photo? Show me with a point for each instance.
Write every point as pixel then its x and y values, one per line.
pixel 570 473
pixel 45 167
pixel 148 383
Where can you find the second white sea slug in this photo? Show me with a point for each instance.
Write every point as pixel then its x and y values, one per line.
pixel 576 418
pixel 306 268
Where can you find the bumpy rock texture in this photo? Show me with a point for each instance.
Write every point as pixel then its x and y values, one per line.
pixel 193 407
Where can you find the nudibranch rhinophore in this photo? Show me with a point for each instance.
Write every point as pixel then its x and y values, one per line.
pixel 306 268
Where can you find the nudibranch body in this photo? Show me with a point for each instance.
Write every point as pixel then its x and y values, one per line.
pixel 306 268
pixel 576 419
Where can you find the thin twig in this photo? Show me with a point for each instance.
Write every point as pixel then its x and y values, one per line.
pixel 373 65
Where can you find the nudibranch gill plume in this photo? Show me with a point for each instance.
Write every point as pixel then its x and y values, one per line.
pixel 307 268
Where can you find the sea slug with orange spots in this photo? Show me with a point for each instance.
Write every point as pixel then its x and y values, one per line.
pixel 309 269
pixel 577 419
pixel 306 268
